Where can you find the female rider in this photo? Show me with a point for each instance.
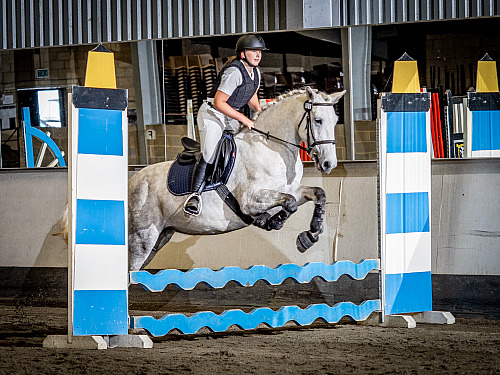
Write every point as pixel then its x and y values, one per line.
pixel 236 85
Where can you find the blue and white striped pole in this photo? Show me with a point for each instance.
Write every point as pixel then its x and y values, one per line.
pixel 483 112
pixel 98 213
pixel 99 198
pixel 405 194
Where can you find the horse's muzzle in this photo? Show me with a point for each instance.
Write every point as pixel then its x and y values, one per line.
pixel 328 166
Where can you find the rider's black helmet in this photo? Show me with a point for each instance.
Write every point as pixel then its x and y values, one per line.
pixel 250 41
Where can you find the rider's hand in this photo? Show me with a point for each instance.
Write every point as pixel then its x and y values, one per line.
pixel 248 123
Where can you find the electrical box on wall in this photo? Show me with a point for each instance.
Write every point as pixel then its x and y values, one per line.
pixel 42 73
pixel 7 117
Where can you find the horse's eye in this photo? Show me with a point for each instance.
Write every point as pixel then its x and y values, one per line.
pixel 318 121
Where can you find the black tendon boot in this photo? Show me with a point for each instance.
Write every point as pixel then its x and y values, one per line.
pixel 192 206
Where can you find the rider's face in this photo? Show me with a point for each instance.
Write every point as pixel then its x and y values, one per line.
pixel 253 55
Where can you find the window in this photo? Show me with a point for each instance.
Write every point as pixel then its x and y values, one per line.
pixel 49 109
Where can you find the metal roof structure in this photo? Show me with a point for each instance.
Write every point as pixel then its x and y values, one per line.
pixel 41 23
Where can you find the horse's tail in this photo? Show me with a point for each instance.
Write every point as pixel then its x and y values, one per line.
pixel 63 225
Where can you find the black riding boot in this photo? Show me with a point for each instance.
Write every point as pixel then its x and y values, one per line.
pixel 193 202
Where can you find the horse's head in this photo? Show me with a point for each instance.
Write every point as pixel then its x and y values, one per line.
pixel 319 134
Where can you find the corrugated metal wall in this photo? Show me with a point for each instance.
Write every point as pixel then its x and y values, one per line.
pixel 37 23
pixel 364 12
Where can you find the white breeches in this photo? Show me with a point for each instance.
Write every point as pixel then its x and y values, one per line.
pixel 211 124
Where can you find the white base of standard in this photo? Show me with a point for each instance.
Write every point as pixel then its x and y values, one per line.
pixel 434 317
pixel 97 342
pixel 411 320
pixel 394 321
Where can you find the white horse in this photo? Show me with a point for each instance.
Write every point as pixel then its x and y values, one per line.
pixel 265 179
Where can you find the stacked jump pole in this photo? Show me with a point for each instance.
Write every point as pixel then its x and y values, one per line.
pixel 98 296
pixel 247 278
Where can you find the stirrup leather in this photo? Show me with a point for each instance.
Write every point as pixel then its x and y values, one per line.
pixel 194 195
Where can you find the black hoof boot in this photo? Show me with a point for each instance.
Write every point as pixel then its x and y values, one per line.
pixel 192 206
pixel 305 240
pixel 262 221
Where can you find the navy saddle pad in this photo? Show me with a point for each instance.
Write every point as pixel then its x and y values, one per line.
pixel 181 171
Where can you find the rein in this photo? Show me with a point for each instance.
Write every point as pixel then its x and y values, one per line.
pixel 308 106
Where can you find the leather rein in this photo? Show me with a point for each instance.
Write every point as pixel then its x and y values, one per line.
pixel 308 106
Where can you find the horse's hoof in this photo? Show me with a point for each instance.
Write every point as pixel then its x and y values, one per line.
pixel 304 241
pixel 262 221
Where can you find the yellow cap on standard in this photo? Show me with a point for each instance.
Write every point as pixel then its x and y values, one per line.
pixel 405 78
pixel 101 68
pixel 487 79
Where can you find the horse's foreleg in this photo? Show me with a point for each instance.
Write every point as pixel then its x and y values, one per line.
pixel 263 200
pixel 269 221
pixel 316 194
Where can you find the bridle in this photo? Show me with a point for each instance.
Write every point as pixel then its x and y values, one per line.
pixel 308 106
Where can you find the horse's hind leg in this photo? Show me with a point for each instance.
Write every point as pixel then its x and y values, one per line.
pixel 165 236
pixel 144 244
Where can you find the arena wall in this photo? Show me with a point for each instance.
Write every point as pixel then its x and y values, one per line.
pixel 465 219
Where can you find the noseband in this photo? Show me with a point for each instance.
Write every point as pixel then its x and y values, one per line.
pixel 308 106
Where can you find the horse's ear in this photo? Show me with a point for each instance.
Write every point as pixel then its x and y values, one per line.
pixel 310 93
pixel 336 96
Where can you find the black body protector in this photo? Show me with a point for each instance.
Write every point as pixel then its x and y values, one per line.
pixel 241 96
pixel 244 92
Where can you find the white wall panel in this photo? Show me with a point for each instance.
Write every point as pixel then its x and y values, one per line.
pixel 465 222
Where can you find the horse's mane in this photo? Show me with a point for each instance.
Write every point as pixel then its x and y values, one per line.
pixel 287 95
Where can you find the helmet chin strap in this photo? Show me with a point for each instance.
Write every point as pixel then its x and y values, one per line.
pixel 246 60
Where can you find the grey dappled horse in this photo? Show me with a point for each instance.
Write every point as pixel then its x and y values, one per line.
pixel 265 180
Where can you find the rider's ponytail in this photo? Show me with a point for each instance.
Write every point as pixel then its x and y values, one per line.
pixel 231 59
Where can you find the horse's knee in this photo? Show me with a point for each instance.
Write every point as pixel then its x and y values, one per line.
pixel 291 204
pixel 320 196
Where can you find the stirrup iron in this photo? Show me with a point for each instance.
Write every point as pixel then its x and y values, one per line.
pixel 196 196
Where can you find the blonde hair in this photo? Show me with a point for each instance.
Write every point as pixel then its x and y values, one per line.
pixel 231 59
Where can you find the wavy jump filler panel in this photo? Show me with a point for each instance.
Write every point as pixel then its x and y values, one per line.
pixel 248 277
pixel 274 319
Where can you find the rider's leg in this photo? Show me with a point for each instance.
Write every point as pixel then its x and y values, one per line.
pixel 198 174
pixel 193 204
pixel 210 130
